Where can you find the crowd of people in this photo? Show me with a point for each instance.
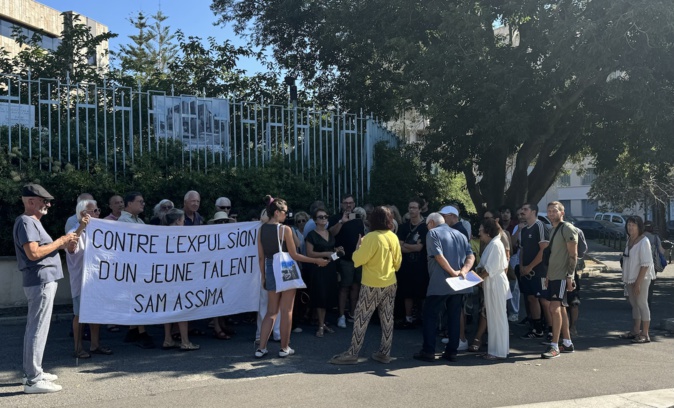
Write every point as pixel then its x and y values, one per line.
pixel 355 261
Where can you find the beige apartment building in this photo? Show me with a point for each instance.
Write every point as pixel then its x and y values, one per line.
pixel 32 16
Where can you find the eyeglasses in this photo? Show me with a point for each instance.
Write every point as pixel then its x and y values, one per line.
pixel 95 210
pixel 322 217
pixel 45 201
pixel 300 221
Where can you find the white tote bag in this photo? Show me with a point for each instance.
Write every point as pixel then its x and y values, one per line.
pixel 286 271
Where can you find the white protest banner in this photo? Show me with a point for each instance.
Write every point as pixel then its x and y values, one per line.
pixel 136 274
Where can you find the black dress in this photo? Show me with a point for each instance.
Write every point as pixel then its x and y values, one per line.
pixel 323 289
pixel 413 274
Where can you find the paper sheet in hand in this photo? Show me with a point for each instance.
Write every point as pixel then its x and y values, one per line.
pixel 459 283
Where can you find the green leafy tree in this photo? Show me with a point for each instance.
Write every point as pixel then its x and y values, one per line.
pixel 135 57
pixel 71 59
pixel 559 78
pixel 162 49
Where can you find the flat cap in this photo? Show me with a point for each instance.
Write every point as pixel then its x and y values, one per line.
pixel 35 190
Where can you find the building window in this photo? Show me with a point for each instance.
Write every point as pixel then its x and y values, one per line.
pixel 588 177
pixel 564 180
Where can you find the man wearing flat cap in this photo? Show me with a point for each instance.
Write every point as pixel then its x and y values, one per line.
pixel 39 262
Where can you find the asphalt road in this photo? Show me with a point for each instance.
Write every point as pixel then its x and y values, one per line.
pixel 224 373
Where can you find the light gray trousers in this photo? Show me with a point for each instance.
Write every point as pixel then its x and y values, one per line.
pixel 40 305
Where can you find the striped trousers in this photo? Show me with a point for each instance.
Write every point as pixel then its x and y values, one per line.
pixel 370 299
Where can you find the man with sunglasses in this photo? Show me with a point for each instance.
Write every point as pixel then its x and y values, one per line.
pixel 347 229
pixel 223 204
pixel 40 264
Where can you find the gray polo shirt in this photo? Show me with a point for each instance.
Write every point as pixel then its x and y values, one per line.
pixel 455 247
pixel 48 269
pixel 128 217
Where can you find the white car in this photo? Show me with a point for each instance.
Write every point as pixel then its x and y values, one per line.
pixel 617 219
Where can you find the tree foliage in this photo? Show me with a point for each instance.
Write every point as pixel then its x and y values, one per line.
pixel 70 60
pixel 558 79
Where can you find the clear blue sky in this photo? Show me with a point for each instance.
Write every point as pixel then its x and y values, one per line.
pixel 193 17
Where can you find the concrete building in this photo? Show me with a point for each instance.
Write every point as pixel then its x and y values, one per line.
pixel 31 16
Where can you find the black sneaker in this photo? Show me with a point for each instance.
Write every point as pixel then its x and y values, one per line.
pixel 550 353
pixel 533 334
pixel 566 349
pixel 452 358
pixel 145 341
pixel 131 336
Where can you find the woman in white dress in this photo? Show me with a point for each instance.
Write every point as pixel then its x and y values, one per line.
pixel 492 268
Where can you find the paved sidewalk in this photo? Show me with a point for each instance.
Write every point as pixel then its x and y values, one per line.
pixel 648 399
pixel 225 372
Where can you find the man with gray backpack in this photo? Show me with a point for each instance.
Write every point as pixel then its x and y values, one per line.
pixel 658 253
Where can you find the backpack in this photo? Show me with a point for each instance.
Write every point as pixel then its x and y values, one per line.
pixel 582 243
pixel 655 253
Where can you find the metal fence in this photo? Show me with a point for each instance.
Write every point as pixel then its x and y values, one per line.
pixel 110 125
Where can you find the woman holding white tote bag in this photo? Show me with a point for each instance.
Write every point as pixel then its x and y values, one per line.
pixel 271 236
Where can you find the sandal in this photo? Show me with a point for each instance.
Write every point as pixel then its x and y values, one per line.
pixel 189 347
pixel 475 346
pixel 101 350
pixel 170 345
pixel 327 329
pixel 641 339
pixel 629 336
pixel 319 332
pixel 81 354
pixel 221 335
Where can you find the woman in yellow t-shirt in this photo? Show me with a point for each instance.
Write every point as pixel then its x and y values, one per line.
pixel 379 255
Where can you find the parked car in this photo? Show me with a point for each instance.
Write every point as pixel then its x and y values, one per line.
pixel 596 228
pixel 618 219
pixel 544 219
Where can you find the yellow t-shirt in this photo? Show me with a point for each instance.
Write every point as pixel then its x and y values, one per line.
pixel 380 257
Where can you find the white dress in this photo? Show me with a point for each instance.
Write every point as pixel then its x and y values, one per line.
pixel 496 289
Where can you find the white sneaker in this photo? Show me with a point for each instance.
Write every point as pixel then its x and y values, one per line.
pixel 445 340
pixel 41 387
pixel 259 353
pixel 463 345
pixel 297 330
pixel 286 352
pixel 45 376
pixel 341 322
pixel 513 317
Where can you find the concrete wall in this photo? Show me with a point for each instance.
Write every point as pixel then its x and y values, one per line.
pixel 11 288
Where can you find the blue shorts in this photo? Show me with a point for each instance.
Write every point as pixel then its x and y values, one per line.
pixel 269 281
pixel 76 305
